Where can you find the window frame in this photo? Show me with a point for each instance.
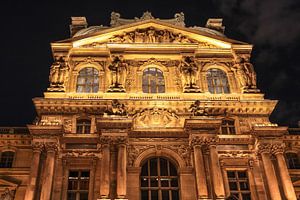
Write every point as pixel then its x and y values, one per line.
pixel 83 126
pixel 7 164
pixel 159 88
pixel 239 180
pixel 85 77
pixel 78 191
pixel 161 181
pixel 295 165
pixel 228 127
pixel 216 82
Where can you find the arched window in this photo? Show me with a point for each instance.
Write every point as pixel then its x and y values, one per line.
pixel 227 127
pixel 217 81
pixel 83 126
pixel 292 161
pixel 88 80
pixel 153 81
pixel 7 158
pixel 159 180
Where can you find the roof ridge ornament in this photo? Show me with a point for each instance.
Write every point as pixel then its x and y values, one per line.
pixel 116 20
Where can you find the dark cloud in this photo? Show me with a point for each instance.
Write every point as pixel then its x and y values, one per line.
pixel 274 29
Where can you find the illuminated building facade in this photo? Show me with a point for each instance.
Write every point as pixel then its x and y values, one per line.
pixel 150 109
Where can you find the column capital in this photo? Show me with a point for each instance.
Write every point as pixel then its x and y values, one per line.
pixel 51 146
pixel 37 146
pixel 264 148
pixel 278 148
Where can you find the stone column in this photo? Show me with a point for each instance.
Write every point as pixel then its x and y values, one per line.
pixel 287 184
pixel 35 163
pixel 121 171
pixel 216 172
pixel 200 172
pixel 105 171
pixel 49 171
pixel 269 171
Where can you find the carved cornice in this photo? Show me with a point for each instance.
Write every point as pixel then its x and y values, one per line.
pixel 270 148
pixel 203 140
pixel 113 140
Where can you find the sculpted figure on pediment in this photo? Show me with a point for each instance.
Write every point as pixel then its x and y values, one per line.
pixel 59 74
pixel 197 110
pixel 151 35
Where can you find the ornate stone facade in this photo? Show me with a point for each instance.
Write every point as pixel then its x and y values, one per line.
pixel 143 91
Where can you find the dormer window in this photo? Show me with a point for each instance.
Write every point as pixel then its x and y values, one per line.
pixel 217 81
pixel 88 80
pixel 83 126
pixel 153 81
pixel 227 127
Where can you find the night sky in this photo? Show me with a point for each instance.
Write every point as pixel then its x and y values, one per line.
pixel 27 28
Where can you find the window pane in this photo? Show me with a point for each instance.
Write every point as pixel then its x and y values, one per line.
pixel 246 196
pixel 154 182
pixel 7 158
pixel 230 174
pixel 244 186
pixel 242 174
pixel 144 182
pixel 88 80
pixel 165 195
pixel 174 182
pixel 154 194
pixel 164 182
pixel 145 195
pixel 71 196
pixel 84 196
pixel 153 81
pixel 145 169
pixel 175 195
pixel 153 167
pixel 217 81
pixel 233 186
pixel 163 167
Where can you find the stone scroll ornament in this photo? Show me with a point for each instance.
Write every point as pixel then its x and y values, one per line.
pixel 118 70
pixel 59 74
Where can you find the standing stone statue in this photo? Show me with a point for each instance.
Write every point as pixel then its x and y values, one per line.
pixel 59 74
pixel 188 69
pixel 249 69
pixel 118 71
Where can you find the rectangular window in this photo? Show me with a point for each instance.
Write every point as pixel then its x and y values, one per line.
pixel 239 184
pixel 78 184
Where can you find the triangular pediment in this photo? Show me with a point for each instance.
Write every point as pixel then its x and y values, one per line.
pixel 153 32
